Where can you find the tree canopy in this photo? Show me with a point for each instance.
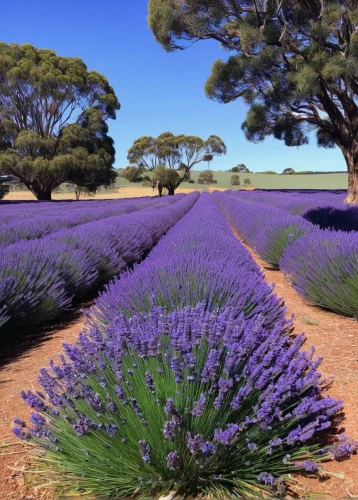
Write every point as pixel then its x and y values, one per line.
pixel 294 63
pixel 240 168
pixel 179 153
pixel 53 114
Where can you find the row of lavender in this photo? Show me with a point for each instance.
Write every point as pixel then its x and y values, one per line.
pixel 186 379
pixel 325 209
pixel 322 265
pixel 31 222
pixel 40 278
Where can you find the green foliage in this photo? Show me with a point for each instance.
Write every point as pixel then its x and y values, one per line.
pixel 167 178
pixel 133 174
pixel 269 172
pixel 177 153
pixel 273 240
pixel 56 131
pixel 295 64
pixel 191 181
pixel 235 180
pixel 288 171
pixel 206 177
pixel 108 462
pixel 4 189
pixel 247 182
pixel 241 168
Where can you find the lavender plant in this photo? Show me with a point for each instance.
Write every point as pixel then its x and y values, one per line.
pixel 323 268
pixel 271 242
pixel 338 217
pixel 268 230
pixel 47 273
pixel 191 401
pixel 199 260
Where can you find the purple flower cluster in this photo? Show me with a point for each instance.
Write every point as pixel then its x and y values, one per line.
pixel 323 268
pixel 321 264
pixel 144 450
pixel 173 460
pixel 189 360
pixel 187 267
pixel 40 277
pixel 267 229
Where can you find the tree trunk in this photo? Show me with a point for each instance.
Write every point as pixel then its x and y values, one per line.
pixel 171 191
pixel 160 189
pixel 43 195
pixel 352 165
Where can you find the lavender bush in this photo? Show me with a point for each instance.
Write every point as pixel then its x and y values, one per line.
pixel 46 274
pixel 191 401
pixel 189 380
pixel 29 224
pixel 199 260
pixel 337 217
pixel 272 241
pixel 268 230
pixel 323 268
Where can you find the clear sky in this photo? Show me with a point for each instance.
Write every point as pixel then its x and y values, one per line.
pixel 159 92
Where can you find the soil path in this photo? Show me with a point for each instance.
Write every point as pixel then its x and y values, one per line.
pixel 336 340
pixel 14 377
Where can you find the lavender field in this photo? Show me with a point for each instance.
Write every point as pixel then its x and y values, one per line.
pixel 312 237
pixel 186 376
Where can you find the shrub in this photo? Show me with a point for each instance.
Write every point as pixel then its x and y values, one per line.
pixel 269 172
pixel 191 181
pixel 337 218
pixel 133 174
pixel 206 394
pixel 206 177
pixel 288 171
pixel 189 400
pixel 323 268
pixel 4 189
pixel 247 182
pixel 235 180
pixel 46 273
pixel 277 234
pixel 187 267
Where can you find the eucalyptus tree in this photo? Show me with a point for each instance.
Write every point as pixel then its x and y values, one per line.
pixel 53 114
pixel 179 153
pixel 293 62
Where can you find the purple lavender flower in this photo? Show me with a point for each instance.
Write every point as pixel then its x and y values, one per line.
pixel 173 460
pixel 169 429
pixel 177 367
pixel 208 449
pixel 171 410
pixel 37 419
pixel 83 426
pixel 227 436
pixel 266 478
pixel 19 422
pixel 194 442
pixel 32 400
pixel 310 466
pixel 343 448
pixel 21 434
pixel 199 406
pixel 149 382
pixel 144 450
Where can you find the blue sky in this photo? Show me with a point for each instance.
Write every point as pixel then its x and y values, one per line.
pixel 158 92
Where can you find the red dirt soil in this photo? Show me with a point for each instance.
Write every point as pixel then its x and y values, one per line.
pixel 335 337
pixel 14 377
